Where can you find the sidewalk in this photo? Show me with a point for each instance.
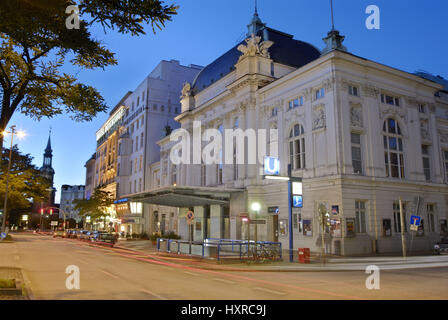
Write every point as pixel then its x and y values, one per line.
pixel 145 247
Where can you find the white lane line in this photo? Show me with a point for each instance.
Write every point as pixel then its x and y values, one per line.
pixel 153 294
pixel 110 274
pixel 224 281
pixel 279 293
pixel 191 273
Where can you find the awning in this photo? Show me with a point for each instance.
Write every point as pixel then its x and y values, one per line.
pixel 185 197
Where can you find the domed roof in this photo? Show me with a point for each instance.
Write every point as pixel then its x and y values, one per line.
pixel 285 50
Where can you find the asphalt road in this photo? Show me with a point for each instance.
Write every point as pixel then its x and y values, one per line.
pixel 118 274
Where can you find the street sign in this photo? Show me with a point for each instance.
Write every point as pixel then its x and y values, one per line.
pixel 3 235
pixel 190 217
pixel 54 223
pixel 415 220
pixel 297 201
pixel 271 166
pixel 257 222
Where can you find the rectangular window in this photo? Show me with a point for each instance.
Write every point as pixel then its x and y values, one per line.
pixel 430 214
pixel 298 102
pixel 397 219
pixel 136 143
pixel 426 162
pixel 356 153
pixel 445 162
pixel 141 140
pixel 394 101
pixel 387 230
pixel 320 93
pixel 360 221
pixel 353 91
pixel 421 108
pixel 141 163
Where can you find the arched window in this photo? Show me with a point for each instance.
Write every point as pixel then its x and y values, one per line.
pixel 393 149
pixel 297 147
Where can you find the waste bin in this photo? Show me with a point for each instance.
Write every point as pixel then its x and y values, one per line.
pixel 304 255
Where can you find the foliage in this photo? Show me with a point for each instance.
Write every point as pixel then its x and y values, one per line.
pixel 25 182
pixel 7 283
pixel 171 235
pixel 36 46
pixel 95 207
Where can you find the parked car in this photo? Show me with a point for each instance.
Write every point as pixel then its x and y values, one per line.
pixel 109 238
pixel 83 235
pixel 441 246
pixel 95 235
pixel 59 233
pixel 72 233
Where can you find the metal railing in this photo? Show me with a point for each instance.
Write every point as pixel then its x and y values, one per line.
pixel 225 248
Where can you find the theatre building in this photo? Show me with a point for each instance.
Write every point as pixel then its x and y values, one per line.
pixel 360 134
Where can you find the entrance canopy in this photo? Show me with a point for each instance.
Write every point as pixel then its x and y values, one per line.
pixel 184 197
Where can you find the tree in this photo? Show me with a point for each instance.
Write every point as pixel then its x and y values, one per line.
pixel 97 206
pixel 25 182
pixel 36 45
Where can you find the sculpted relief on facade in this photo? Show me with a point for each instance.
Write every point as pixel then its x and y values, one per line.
pixel 424 129
pixel 356 115
pixel 319 117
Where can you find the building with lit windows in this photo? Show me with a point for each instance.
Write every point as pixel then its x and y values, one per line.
pixel 67 202
pixel 149 111
pixel 360 134
pixel 105 161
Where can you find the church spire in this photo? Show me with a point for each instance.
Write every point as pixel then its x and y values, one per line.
pixel 48 154
pixel 333 40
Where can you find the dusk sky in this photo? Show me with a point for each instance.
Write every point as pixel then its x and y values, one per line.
pixel 412 37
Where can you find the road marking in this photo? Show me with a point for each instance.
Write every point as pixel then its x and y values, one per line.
pixel 224 281
pixel 191 273
pixel 110 274
pixel 153 294
pixel 279 293
pixel 16 257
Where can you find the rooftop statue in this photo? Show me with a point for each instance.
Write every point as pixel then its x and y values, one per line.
pixel 255 47
pixel 186 90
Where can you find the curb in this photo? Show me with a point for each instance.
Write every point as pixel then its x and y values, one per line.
pixel 329 268
pixel 27 285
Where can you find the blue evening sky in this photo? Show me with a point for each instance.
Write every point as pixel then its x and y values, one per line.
pixel 412 36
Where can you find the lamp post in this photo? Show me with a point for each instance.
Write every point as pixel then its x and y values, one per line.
pixel 5 205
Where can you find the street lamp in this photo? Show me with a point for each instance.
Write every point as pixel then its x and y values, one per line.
pixel 19 134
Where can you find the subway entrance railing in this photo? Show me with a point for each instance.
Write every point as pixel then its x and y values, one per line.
pixel 224 249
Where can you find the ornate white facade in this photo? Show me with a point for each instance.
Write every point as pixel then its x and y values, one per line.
pixel 361 135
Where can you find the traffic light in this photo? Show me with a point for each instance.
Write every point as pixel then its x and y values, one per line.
pixel 51 211
pixel 42 211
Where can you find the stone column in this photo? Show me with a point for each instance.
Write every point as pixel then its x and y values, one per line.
pixel 215 221
pixel 199 218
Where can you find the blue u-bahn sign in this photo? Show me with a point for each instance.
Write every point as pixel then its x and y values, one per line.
pixel 297 201
pixel 271 166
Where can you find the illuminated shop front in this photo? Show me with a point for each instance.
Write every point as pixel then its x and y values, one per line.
pixel 129 217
